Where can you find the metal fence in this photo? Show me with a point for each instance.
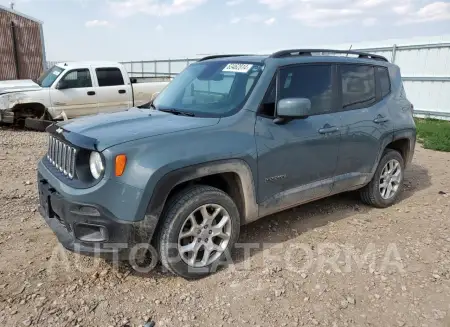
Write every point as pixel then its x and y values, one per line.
pixel 157 68
pixel 425 70
pixel 426 76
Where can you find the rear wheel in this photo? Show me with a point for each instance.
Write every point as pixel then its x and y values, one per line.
pixel 199 228
pixel 386 184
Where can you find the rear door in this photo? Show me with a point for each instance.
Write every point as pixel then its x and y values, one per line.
pixel 366 124
pixel 74 94
pixel 297 160
pixel 112 93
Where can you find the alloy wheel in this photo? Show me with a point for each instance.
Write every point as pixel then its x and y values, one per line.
pixel 390 179
pixel 205 235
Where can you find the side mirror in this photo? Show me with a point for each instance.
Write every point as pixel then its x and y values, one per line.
pixel 62 85
pixel 294 108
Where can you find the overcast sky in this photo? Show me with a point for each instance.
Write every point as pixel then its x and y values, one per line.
pixel 149 29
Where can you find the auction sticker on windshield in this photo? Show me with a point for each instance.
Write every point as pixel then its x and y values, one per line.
pixel 237 68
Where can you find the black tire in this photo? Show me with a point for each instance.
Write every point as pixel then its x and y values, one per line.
pixel 370 194
pixel 178 208
pixel 37 124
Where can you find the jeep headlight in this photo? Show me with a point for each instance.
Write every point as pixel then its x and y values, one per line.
pixel 96 164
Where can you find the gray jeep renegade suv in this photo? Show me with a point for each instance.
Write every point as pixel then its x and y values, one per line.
pixel 230 140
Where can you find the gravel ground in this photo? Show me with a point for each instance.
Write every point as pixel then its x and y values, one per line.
pixel 334 262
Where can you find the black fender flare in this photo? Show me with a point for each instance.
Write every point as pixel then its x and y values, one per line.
pixel 409 134
pixel 167 183
pixel 389 138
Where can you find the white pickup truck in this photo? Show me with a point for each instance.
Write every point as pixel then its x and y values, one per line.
pixel 73 89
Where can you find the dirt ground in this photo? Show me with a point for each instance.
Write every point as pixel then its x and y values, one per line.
pixel 334 262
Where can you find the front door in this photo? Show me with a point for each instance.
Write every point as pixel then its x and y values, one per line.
pixel 74 94
pixel 297 160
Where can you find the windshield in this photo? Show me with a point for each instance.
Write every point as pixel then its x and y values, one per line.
pixel 210 89
pixel 48 77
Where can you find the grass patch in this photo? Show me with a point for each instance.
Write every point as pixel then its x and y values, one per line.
pixel 433 134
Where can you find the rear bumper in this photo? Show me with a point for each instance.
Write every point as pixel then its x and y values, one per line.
pixel 90 229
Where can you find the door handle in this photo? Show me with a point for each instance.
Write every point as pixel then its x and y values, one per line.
pixel 59 103
pixel 122 91
pixel 380 119
pixel 328 129
pixel 91 93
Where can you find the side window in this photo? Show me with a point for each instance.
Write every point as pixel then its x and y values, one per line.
pixel 384 81
pixel 313 82
pixel 358 86
pixel 109 77
pixel 78 78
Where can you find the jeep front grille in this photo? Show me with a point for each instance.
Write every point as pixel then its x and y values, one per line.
pixel 62 156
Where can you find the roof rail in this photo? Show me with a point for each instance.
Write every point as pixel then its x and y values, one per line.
pixel 224 56
pixel 309 52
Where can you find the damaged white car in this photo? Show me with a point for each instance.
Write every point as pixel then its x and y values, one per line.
pixel 70 90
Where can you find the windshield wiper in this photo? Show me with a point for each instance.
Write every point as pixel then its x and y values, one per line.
pixel 178 112
pixel 148 105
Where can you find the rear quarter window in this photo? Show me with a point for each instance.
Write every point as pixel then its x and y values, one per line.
pixel 384 81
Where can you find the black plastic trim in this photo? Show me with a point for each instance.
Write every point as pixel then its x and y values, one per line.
pixel 169 181
pixel 77 140
pixel 63 216
pixel 224 56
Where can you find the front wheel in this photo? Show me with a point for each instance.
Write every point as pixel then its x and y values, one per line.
pixel 386 184
pixel 199 228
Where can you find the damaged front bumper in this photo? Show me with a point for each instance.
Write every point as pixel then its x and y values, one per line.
pixel 91 229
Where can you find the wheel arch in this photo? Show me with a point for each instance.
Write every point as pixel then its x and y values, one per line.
pixel 404 141
pixel 401 145
pixel 34 107
pixel 233 176
pixel 401 141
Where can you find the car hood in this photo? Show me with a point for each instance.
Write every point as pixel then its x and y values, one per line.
pixel 18 86
pixel 106 130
